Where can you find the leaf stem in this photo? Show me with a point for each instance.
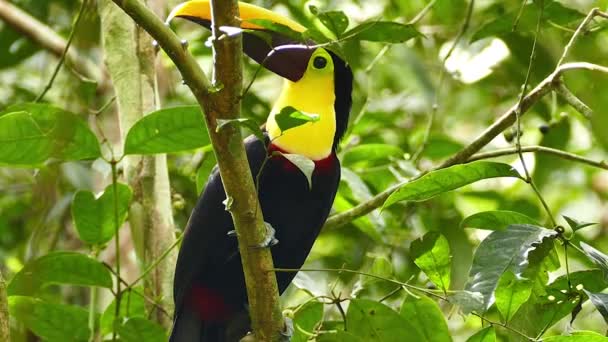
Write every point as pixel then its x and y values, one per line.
pixel 113 163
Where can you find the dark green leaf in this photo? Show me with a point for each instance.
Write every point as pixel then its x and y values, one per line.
pixel 273 26
pixel 467 301
pixel 432 254
pixel 382 31
pixel 576 224
pixel 132 304
pixel 375 322
pixel 496 220
pixel 578 336
pixel 168 130
pixel 427 318
pixel 597 257
pixel 454 177
pixel 304 164
pixel 59 268
pixel 369 153
pixel 32 133
pixel 522 249
pixel 139 329
pixel 94 218
pixel 335 21
pixel 511 292
pixel 600 300
pixel 290 117
pixel 249 124
pixel 484 335
pixel 306 319
pixel 52 322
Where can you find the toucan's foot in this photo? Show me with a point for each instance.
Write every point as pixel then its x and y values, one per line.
pixel 270 239
pixel 287 333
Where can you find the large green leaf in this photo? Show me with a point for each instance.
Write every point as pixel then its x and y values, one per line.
pixel 496 220
pixel 374 321
pixel 432 254
pixel 519 249
pixel 168 130
pixel 484 335
pixel 306 319
pixel 454 177
pixel 599 258
pixel 511 292
pixel 427 318
pixel 335 21
pixel 94 218
pixel 52 322
pixel 59 268
pixel 467 301
pixel 600 300
pixel 382 31
pixel 370 153
pixel 578 336
pixel 132 305
pixel 32 133
pixel 139 329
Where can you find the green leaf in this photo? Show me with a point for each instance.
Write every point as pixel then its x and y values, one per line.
pixel 382 31
pixel 427 318
pixel 32 133
pixel 370 153
pixel 94 218
pixel 467 301
pixel 511 292
pixel 600 300
pixel 249 124
pixel 204 171
pixel 290 117
pixel 139 329
pixel 375 322
pixel 306 319
pixel 335 21
pixel 168 130
pixel 59 268
pixel 503 24
pixel 454 177
pixel 439 147
pixel 338 336
pixel 519 249
pixel 578 336
pixel 496 220
pixel 431 254
pixel 278 28
pixel 52 322
pixel 597 257
pixel 484 335
pixel 575 224
pixel 132 305
pixel 304 164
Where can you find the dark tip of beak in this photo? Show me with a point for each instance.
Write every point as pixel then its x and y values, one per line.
pixel 288 61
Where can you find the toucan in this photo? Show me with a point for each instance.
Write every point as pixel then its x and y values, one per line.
pixel 209 288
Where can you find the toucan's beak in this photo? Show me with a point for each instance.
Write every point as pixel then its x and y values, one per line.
pixel 279 54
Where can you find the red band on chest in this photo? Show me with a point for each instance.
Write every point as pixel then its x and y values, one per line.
pixel 209 304
pixel 321 166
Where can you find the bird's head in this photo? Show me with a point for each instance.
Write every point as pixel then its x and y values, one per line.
pixel 318 81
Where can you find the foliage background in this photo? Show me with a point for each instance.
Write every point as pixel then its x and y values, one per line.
pixel 396 89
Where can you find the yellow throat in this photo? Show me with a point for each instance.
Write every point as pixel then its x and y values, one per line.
pixel 312 94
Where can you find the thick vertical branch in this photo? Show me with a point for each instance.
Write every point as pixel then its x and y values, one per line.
pixel 130 56
pixel 4 327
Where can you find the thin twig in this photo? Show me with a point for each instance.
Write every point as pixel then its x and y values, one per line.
pixel 49 85
pixel 578 31
pixel 562 90
pixel 539 149
pixel 422 13
pixel 158 260
pixel 116 245
pixel 504 325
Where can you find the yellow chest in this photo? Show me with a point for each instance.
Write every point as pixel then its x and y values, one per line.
pixel 312 95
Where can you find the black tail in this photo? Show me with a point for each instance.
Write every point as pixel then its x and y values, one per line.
pixel 187 327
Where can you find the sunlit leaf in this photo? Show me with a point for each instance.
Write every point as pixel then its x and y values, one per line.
pixel 576 224
pixel 511 292
pixel 168 130
pixel 59 268
pixel 335 21
pixel 432 254
pixel 376 322
pixel 578 336
pixel 52 322
pixel 484 335
pixel 467 301
pixel 427 318
pixel 306 319
pixel 522 248
pixel 290 117
pixel 94 218
pixel 382 31
pixel 496 220
pixel 454 177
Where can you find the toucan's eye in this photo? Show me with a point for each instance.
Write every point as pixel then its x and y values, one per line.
pixel 319 62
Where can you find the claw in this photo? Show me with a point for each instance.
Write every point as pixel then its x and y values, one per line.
pixel 269 240
pixel 287 332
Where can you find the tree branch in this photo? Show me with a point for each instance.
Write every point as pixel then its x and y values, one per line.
pixel 228 146
pixel 44 36
pixel 562 90
pixel 540 149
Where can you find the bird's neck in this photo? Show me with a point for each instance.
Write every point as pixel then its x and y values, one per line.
pixel 311 95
